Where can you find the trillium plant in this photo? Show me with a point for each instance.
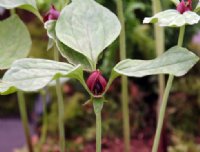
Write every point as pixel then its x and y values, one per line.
pixel 88 29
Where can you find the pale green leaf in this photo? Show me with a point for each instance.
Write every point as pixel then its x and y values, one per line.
pixel 15 41
pixel 87 27
pixel 34 74
pixel 197 7
pixel 50 44
pixel 173 18
pixel 9 4
pixel 98 104
pixel 72 57
pixel 50 27
pixel 29 5
pixel 176 61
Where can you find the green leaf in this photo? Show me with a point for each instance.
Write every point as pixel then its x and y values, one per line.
pixel 176 61
pixel 33 74
pixel 176 2
pixel 173 18
pixel 98 104
pixel 72 57
pixel 15 41
pixel 29 5
pixel 197 7
pixel 50 27
pixel 87 27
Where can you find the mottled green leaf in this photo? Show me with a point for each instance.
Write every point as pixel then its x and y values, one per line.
pixel 87 27
pixel 34 74
pixel 29 5
pixel 173 18
pixel 176 61
pixel 15 41
pixel 72 57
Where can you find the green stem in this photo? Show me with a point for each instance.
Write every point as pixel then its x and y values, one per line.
pixel 23 114
pixel 98 132
pixel 181 36
pixel 60 108
pixel 12 11
pixel 165 98
pixel 124 80
pixel 98 106
pixel 160 48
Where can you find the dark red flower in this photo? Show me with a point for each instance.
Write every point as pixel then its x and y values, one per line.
pixel 52 14
pixel 184 5
pixel 96 83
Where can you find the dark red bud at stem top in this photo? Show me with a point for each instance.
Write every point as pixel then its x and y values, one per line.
pixel 52 14
pixel 96 83
pixel 184 5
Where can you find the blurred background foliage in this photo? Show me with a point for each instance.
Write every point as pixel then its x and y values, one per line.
pixel 183 114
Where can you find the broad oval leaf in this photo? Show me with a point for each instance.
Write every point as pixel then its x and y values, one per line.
pixel 87 27
pixel 176 61
pixel 29 5
pixel 173 18
pixel 72 57
pixel 15 41
pixel 33 74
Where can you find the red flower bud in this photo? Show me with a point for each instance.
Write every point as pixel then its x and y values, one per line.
pixel 53 14
pixel 183 6
pixel 96 83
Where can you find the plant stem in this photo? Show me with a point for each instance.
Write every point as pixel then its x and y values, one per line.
pixel 162 113
pixel 23 114
pixel 98 106
pixel 159 35
pixel 12 11
pixel 124 80
pixel 160 48
pixel 60 108
pixel 165 98
pixel 181 36
pixel 98 132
